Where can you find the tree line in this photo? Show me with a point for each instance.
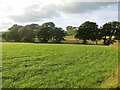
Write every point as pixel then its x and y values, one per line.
pixel 109 32
pixel 90 31
pixel 45 32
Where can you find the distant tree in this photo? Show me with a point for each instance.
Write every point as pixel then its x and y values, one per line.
pixel 4 36
pixel 71 30
pixel 28 32
pixel 45 31
pixel 95 33
pixel 44 34
pixel 109 30
pixel 58 34
pixel 48 24
pixel 13 33
pixel 117 33
pixel 88 31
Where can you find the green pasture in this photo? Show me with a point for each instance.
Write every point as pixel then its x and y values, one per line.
pixel 30 65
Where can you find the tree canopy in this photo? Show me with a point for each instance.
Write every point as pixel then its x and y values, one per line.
pixel 110 29
pixel 13 33
pixel 28 32
pixel 87 31
pixel 58 34
pixel 49 32
pixel 71 30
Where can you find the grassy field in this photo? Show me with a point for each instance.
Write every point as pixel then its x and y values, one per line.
pixel 57 65
pixel 71 39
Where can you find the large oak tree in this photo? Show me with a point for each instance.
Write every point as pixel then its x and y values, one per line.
pixel 88 31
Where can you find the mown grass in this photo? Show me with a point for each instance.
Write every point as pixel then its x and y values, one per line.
pixel 56 65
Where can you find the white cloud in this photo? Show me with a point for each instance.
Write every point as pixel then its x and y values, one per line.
pixel 62 12
pixel 35 13
pixel 83 7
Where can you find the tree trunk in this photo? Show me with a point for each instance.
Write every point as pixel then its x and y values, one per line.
pixel 84 41
pixel 110 37
pixel 109 40
pixel 104 41
pixel 96 41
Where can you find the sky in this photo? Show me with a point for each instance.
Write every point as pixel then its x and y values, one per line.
pixel 61 12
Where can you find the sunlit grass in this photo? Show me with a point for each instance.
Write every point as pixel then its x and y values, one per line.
pixel 57 65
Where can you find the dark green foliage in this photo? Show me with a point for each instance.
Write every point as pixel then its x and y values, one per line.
pixel 48 24
pixel 44 34
pixel 28 33
pixel 48 31
pixel 4 35
pixel 110 29
pixel 45 31
pixel 87 31
pixel 117 33
pixel 58 34
pixel 13 33
pixel 19 33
